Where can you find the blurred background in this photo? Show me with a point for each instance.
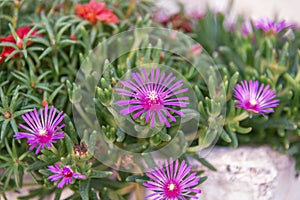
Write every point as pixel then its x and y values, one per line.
pixel 255 9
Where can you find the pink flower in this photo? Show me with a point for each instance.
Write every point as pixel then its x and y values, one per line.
pixel 154 96
pixel 65 174
pixel 196 14
pixel 161 17
pixel 268 25
pixel 246 28
pixel 42 130
pixel 256 99
pixel 174 182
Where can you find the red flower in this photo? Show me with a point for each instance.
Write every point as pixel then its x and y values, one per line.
pixel 21 33
pixel 95 11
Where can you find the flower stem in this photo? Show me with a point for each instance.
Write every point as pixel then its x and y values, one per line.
pixel 15 15
pixel 19 66
pixel 130 8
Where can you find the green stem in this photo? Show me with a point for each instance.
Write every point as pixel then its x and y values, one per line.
pixel 15 16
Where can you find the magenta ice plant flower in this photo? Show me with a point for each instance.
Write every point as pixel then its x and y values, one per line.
pixel 255 97
pixel 268 25
pixel 161 16
pixel 65 174
pixel 196 14
pixel 246 28
pixel 155 96
pixel 230 24
pixel 175 182
pixel 42 130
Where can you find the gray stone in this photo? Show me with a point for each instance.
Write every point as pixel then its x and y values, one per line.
pixel 248 173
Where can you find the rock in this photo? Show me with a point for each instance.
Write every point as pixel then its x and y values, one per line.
pixel 249 173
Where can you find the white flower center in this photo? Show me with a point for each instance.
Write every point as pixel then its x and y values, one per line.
pixel 42 132
pixel 152 96
pixel 171 187
pixel 253 102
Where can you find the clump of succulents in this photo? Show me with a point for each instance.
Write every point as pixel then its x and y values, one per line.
pixel 258 57
pixel 46 47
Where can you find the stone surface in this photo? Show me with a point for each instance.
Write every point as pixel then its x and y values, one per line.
pixel 250 174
